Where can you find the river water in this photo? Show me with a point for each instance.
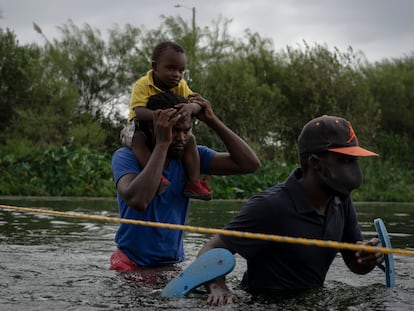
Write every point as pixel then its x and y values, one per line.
pixel 58 263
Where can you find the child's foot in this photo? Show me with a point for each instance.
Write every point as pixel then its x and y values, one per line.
pixel 164 184
pixel 198 190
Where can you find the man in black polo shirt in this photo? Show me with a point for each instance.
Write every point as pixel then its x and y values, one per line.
pixel 314 202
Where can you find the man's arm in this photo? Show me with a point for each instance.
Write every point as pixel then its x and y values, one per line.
pixel 240 158
pixel 362 262
pixel 138 190
pixel 219 293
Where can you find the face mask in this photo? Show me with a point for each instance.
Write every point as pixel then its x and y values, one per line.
pixel 340 178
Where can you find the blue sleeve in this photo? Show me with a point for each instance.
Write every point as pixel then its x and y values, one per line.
pixel 206 154
pixel 124 162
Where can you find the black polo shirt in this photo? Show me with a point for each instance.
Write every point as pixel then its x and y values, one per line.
pixel 284 210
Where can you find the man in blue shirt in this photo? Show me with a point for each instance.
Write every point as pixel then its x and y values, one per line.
pixel 315 203
pixel 148 247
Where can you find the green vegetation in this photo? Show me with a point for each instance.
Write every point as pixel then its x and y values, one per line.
pixel 56 171
pixel 62 105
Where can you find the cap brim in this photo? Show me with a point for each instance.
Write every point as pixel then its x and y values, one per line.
pixel 354 151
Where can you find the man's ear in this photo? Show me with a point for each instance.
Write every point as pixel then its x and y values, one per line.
pixel 313 162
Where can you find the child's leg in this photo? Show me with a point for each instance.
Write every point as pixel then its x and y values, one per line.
pixel 191 160
pixel 195 188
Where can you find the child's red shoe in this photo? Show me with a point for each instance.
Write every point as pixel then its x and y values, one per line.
pixel 164 184
pixel 198 190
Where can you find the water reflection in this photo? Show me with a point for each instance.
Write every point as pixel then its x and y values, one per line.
pixel 56 263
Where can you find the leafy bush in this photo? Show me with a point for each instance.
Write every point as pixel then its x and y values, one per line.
pixel 245 186
pixel 57 171
pixel 70 171
pixel 88 134
pixel 386 181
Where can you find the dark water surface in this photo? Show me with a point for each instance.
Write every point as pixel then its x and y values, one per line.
pixel 57 263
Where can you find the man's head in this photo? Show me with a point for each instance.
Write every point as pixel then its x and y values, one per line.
pixel 180 131
pixel 329 133
pixel 329 146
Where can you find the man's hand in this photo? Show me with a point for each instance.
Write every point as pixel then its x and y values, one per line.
pixel 163 121
pixel 369 259
pixel 206 113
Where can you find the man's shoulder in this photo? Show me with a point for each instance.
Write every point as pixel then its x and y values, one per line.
pixel 205 151
pixel 344 204
pixel 281 189
pixel 271 196
pixel 123 162
pixel 277 191
pixel 123 150
pixel 121 153
pixel 202 148
pixel 206 155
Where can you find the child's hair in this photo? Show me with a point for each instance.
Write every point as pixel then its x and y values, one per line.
pixel 164 46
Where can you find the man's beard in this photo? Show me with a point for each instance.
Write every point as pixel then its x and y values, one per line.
pixel 175 153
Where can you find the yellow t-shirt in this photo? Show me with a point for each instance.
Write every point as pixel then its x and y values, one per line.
pixel 144 88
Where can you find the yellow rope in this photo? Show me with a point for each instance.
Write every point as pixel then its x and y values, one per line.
pixel 240 234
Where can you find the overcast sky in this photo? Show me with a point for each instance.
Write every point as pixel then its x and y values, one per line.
pixel 379 28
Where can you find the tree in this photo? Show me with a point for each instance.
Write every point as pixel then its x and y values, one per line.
pixel 391 82
pixel 102 70
pixel 36 103
pixel 17 68
pixel 242 89
pixel 316 81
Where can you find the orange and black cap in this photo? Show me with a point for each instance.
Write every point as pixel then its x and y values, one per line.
pixel 329 133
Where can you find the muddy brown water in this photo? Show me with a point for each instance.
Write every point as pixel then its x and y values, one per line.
pixel 58 263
